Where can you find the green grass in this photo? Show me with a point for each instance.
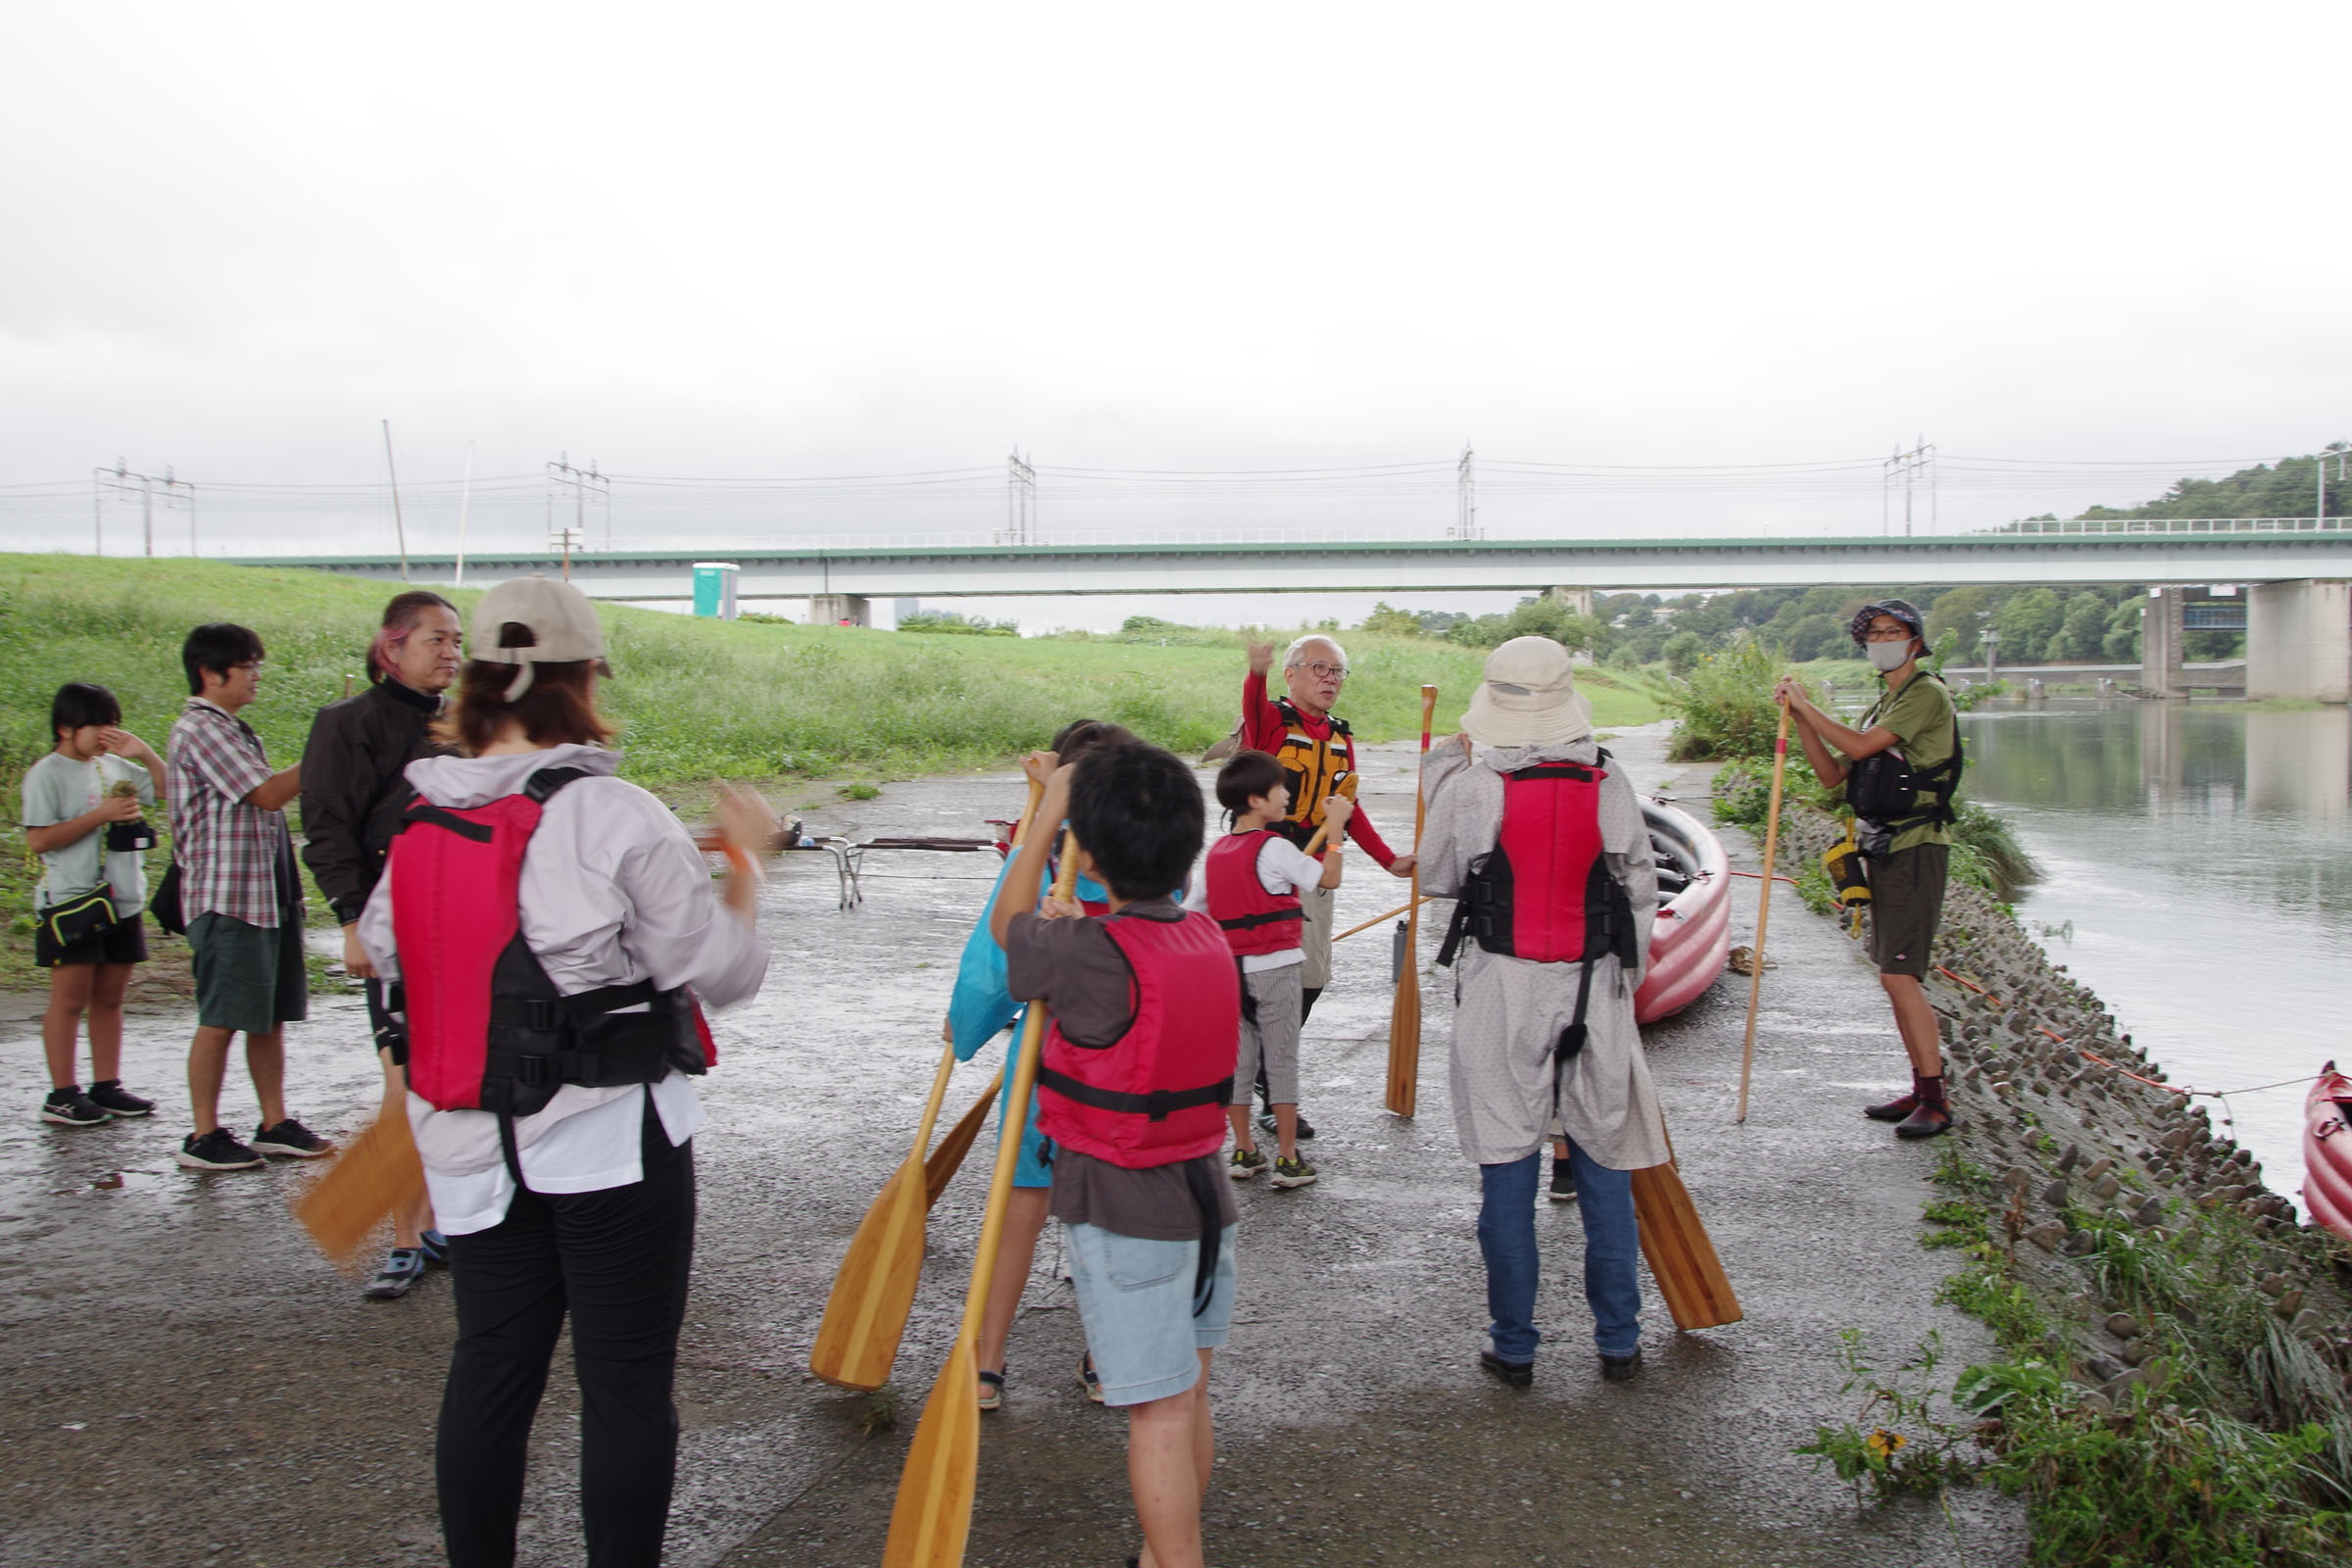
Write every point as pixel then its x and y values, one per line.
pixel 697 699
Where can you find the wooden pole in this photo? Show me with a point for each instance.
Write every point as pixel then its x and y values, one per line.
pixel 1772 844
pixel 1404 1016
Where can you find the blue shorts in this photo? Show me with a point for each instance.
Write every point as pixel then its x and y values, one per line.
pixel 1135 1299
pixel 1033 1169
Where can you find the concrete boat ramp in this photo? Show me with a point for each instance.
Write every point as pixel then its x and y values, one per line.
pixel 189 1384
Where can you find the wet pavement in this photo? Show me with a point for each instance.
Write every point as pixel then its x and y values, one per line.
pixel 189 1384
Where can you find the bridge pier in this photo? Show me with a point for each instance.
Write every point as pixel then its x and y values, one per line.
pixel 2160 641
pixel 2299 641
pixel 1578 600
pixel 837 609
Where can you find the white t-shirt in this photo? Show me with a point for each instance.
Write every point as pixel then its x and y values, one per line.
pixel 1281 867
pixel 59 789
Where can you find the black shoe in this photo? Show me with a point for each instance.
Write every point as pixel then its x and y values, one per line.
pixel 70 1107
pixel 291 1140
pixel 1510 1374
pixel 1266 1124
pixel 1925 1122
pixel 116 1101
pixel 1621 1368
pixel 1563 1182
pixel 1894 1109
pixel 216 1150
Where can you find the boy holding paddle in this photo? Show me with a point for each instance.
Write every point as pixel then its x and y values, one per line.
pixel 1138 1067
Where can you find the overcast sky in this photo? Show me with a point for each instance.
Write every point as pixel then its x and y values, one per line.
pixel 777 242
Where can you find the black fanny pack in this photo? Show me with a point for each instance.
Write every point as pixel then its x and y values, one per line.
pixel 77 920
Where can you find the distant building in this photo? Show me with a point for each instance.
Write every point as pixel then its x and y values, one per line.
pixel 902 611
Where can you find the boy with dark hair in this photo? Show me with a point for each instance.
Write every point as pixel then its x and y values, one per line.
pixel 1138 1067
pixel 82 817
pixel 1251 886
pixel 242 900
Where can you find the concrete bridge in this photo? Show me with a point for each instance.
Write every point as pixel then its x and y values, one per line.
pixel 2299 639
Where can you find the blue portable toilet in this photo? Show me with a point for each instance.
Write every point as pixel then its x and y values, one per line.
pixel 714 588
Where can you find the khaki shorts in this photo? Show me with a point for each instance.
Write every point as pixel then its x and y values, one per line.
pixel 1906 902
pixel 1315 936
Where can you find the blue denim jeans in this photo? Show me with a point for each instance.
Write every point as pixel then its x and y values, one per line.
pixel 1506 1239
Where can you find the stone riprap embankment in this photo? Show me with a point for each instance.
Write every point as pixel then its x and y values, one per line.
pixel 2080 1128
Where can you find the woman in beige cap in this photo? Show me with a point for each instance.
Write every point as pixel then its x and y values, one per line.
pixel 1540 837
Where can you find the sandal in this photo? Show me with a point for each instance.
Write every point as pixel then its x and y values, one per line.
pixel 1086 1379
pixel 992 1389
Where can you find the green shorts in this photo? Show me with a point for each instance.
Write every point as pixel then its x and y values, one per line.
pixel 249 978
pixel 1906 902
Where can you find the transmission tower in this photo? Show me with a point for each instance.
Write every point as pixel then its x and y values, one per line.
pixel 1903 470
pixel 583 484
pixel 125 484
pixel 1465 496
pixel 1020 502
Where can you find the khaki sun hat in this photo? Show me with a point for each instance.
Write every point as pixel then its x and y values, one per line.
pixel 1528 698
pixel 554 621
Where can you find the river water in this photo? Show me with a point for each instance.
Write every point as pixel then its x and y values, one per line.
pixel 2197 874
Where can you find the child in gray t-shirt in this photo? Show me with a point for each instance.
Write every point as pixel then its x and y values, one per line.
pixel 83 817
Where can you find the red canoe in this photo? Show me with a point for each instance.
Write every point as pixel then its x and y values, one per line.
pixel 1693 938
pixel 2328 1152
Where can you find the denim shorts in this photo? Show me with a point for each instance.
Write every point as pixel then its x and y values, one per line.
pixel 1136 1300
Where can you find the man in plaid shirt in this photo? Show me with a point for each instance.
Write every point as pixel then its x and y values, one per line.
pixel 241 898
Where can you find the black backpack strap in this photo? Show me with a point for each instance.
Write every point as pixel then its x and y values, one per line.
pixel 1457 926
pixel 433 815
pixel 542 785
pixel 1202 1182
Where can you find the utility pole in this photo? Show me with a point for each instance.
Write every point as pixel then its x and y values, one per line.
pixel 1020 501
pixel 583 483
pixel 1465 495
pixel 2319 507
pixel 123 482
pixel 1905 468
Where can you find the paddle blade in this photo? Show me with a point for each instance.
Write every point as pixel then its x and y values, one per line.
pixel 940 1168
pixel 1404 1038
pixel 859 1338
pixel 1679 1253
pixel 933 1516
pixel 375 1174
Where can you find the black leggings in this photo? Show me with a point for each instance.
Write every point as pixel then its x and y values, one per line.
pixel 616 1260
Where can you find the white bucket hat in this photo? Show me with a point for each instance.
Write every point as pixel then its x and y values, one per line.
pixel 559 620
pixel 1528 698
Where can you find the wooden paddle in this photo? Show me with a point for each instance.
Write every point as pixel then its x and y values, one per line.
pixel 1772 842
pixel 940 1168
pixel 1404 1014
pixel 865 1316
pixel 1379 919
pixel 933 1515
pixel 1680 1253
pixel 375 1174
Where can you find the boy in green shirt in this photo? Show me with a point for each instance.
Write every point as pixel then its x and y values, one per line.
pixel 1912 853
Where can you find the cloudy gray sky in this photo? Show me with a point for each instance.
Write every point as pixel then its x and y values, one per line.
pixel 1708 263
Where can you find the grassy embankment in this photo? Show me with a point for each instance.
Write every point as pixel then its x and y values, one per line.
pixel 697 701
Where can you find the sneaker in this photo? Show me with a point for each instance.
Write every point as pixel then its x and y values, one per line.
pixel 1511 1374
pixel 1246 1163
pixel 1086 1379
pixel 70 1107
pixel 1294 1172
pixel 435 1247
pixel 1894 1109
pixel 1563 1182
pixel 1620 1368
pixel 291 1140
pixel 1265 1122
pixel 992 1391
pixel 116 1101
pixel 218 1149
pixel 403 1267
pixel 1925 1122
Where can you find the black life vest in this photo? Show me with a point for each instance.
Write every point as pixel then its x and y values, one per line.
pixel 1316 769
pixel 1885 789
pixel 1544 891
pixel 487 1029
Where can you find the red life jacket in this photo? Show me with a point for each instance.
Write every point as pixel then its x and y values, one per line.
pixel 1253 921
pixel 487 1029
pixel 1157 1093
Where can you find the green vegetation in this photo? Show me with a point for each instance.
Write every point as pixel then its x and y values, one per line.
pixel 2288 489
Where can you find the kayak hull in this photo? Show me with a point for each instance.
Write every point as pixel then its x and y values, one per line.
pixel 2328 1152
pixel 1692 942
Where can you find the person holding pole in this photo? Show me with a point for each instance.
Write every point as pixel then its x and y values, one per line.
pixel 1539 838
pixel 1904 830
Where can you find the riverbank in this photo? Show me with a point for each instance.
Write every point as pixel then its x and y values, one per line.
pixel 2176 1353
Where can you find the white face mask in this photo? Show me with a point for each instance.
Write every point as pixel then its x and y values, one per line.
pixel 1886 657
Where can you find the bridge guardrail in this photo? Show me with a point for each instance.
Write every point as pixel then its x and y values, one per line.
pixel 2161 525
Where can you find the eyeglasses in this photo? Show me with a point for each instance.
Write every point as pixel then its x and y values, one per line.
pixel 1898 634
pixel 1325 671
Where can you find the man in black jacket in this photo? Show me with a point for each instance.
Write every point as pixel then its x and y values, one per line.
pixel 353 797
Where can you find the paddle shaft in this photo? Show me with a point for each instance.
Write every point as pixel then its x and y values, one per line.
pixel 1404 1014
pixel 1772 844
pixel 1391 915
